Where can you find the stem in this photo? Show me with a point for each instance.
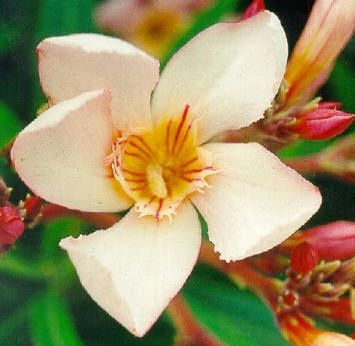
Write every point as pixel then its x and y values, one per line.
pixel 100 220
pixel 305 165
pixel 240 271
pixel 189 331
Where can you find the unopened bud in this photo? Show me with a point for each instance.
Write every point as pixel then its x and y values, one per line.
pixel 304 258
pixel 254 8
pixel 11 225
pixel 323 122
pixel 333 241
pixel 300 331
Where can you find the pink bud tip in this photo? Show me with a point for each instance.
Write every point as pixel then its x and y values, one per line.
pixel 254 8
pixel 324 122
pixel 334 241
pixel 304 258
pixel 11 225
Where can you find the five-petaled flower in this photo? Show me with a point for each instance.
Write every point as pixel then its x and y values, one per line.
pixel 105 145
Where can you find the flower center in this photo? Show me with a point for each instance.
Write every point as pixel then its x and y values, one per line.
pixel 161 167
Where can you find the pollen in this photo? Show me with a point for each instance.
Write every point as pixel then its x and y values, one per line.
pixel 161 167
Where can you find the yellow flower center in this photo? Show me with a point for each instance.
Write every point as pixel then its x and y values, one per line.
pixel 158 30
pixel 161 167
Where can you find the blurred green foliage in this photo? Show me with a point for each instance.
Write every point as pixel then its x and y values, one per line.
pixel 41 300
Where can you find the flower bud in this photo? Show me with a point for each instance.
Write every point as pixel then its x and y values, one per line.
pixel 300 331
pixel 254 8
pixel 324 122
pixel 327 31
pixel 304 258
pixel 334 241
pixel 11 225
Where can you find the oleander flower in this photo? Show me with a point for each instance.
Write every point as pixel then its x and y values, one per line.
pixel 151 25
pixel 105 144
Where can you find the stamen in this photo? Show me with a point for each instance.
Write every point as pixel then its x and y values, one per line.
pixel 161 167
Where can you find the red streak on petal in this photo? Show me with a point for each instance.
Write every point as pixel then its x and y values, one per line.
pixel 181 124
pixel 159 208
pixel 133 173
pixel 188 163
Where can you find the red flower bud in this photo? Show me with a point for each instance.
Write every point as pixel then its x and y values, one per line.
pixel 334 241
pixel 254 8
pixel 324 122
pixel 304 258
pixel 11 225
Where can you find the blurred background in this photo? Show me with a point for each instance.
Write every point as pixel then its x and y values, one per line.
pixel 41 300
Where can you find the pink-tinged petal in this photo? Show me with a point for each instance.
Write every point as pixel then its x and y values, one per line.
pixel 135 268
pixel 255 202
pixel 61 155
pixel 228 74
pixel 70 65
pixel 330 26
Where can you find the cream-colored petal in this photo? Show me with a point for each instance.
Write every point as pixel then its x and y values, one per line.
pixel 228 74
pixel 135 268
pixel 60 155
pixel 255 202
pixel 70 65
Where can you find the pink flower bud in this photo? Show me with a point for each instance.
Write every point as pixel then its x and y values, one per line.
pixel 11 225
pixel 334 241
pixel 304 258
pixel 324 122
pixel 254 8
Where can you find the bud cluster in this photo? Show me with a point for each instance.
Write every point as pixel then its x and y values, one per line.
pixel 320 281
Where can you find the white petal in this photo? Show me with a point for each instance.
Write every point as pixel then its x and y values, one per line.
pixel 228 74
pixel 70 65
pixel 61 154
pixel 135 268
pixel 255 202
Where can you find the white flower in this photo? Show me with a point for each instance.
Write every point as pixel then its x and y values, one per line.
pixel 91 153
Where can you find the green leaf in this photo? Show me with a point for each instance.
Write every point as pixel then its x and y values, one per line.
pixel 202 21
pixel 56 230
pixel 51 322
pixel 12 264
pixel 303 148
pixel 64 17
pixel 13 327
pixel 10 125
pixel 234 316
pixel 9 36
pixel 341 84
